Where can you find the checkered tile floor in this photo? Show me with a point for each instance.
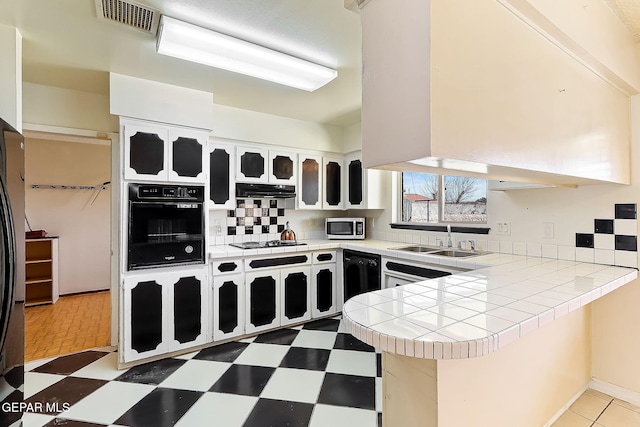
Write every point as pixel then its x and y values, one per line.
pixel 316 375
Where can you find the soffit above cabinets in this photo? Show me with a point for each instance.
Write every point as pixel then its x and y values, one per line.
pixel 502 102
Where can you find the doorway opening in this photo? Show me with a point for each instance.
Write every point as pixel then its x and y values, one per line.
pixel 68 245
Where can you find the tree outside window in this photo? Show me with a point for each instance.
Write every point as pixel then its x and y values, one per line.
pixel 465 199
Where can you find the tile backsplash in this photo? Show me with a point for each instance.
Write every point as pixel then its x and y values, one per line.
pixel 612 240
pixel 256 216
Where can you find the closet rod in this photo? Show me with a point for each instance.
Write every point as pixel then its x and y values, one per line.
pixel 70 187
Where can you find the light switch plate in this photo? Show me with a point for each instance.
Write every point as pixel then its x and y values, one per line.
pixel 504 228
pixel 547 230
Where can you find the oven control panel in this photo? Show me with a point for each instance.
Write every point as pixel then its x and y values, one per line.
pixel 141 192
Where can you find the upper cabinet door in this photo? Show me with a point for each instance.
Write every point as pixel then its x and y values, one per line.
pixel 251 165
pixel 222 189
pixel 333 171
pixel 282 167
pixel 145 152
pixel 355 181
pixel 309 191
pixel 187 155
pixel 156 152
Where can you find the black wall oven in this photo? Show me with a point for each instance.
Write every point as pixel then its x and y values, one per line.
pixel 166 225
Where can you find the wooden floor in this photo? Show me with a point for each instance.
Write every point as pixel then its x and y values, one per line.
pixel 72 324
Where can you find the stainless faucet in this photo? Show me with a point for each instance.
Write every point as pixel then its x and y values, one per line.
pixel 449 242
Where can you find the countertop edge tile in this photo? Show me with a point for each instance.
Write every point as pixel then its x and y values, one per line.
pixel 587 283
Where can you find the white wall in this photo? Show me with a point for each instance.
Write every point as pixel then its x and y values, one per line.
pixel 11 76
pixel 160 102
pixel 81 223
pixel 251 126
pixel 65 108
pixel 353 138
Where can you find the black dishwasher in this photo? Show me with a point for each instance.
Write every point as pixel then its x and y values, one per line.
pixel 361 273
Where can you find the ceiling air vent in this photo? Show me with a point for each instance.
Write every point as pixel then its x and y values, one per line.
pixel 129 13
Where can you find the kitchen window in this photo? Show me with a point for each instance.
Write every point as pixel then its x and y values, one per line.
pixel 464 199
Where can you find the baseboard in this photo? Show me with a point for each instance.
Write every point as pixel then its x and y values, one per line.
pixel 615 391
pixel 566 406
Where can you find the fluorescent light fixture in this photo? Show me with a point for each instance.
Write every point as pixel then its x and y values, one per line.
pixel 192 43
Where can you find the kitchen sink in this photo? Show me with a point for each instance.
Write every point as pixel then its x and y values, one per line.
pixel 418 248
pixel 453 253
pixel 435 250
pixel 457 253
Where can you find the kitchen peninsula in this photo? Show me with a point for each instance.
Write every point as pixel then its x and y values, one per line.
pixel 501 344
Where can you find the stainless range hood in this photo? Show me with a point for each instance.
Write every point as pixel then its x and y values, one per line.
pixel 265 191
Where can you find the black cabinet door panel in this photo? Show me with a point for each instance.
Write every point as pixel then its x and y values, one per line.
pixel 187 309
pixel 146 316
pixel 355 182
pixel 295 295
pixel 187 157
pixel 263 301
pixel 333 192
pixel 324 290
pixel 228 307
pixel 252 165
pixel 219 165
pixel 146 153
pixel 310 181
pixel 282 167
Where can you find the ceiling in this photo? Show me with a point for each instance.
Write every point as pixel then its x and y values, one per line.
pixel 66 45
pixel 629 13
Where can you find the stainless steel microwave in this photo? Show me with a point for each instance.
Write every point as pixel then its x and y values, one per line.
pixel 344 228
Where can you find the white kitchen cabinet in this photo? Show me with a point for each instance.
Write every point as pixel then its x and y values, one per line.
pixel 262 300
pixel 295 300
pixel 145 317
pixel 332 174
pixel 283 167
pixel 364 188
pixel 145 151
pixel 164 311
pixel 309 181
pixel 189 296
pixel 252 164
pixel 228 306
pixel 222 188
pixel 187 155
pixel 156 152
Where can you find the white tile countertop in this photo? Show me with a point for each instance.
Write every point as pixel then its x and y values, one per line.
pixel 474 313
pixel 501 298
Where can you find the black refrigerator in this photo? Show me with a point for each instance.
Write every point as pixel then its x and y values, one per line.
pixel 12 275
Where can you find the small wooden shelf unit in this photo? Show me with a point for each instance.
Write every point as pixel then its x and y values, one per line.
pixel 41 271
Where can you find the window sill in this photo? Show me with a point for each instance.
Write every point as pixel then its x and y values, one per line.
pixel 443 228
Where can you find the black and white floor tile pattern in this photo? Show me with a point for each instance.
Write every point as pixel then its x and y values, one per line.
pixel 315 375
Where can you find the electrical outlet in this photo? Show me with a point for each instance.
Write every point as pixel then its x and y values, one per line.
pixel 312 222
pixel 218 227
pixel 547 230
pixel 503 228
